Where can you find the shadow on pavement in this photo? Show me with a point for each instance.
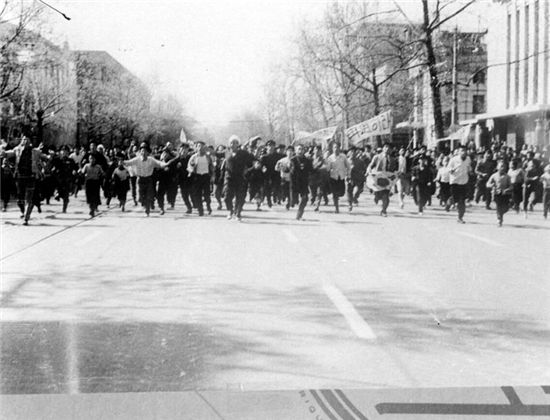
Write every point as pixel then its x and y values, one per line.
pixel 145 333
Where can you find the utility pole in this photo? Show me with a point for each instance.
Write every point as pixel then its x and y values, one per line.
pixel 454 109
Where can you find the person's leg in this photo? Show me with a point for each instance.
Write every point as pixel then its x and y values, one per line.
pixel 29 197
pixel 21 186
pixel 302 205
pixel 229 195
pixel 385 201
pixel 461 201
pixel 349 191
pixel 420 198
pixel 206 193
pixel 546 202
pixel 240 198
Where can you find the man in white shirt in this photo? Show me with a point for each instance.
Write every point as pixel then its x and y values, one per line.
pixel 283 167
pixel 143 166
pixel 339 168
pixel 201 171
pixel 460 169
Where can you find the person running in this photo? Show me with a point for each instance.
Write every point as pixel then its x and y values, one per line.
pixel 403 176
pixel 545 180
pixel 459 174
pixel 28 171
pixel 382 163
pixel 144 165
pixel 201 170
pixel 421 177
pixel 517 176
pixel 318 177
pixel 184 179
pixel 255 177
pixel 219 163
pixel 356 181
pixel 339 168
pixel 484 169
pixel 64 170
pixel 500 185
pixel 121 182
pixel 167 179
pixel 272 182
pixel 300 168
pixel 7 183
pixel 93 174
pixel 443 179
pixel 236 165
pixel 283 167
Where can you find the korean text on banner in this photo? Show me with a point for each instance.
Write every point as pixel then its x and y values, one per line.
pixel 381 124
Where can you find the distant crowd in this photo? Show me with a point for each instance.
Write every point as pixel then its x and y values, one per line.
pixel 273 175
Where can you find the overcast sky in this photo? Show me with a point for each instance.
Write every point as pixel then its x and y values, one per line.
pixel 213 54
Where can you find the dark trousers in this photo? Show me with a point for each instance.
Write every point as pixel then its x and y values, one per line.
pixel 517 195
pixel 502 202
pixel 482 192
pixel 384 197
pixel 338 189
pixel 285 193
pixel 133 181
pixel 422 195
pixel 25 195
pixel 93 197
pixel 235 191
pixel 201 191
pixel 146 188
pixel 300 197
pixel 218 193
pixel 185 190
pixel 459 193
pixel 165 187
pixel 546 202
pixel 355 188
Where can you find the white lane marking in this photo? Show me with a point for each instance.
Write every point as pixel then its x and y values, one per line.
pixel 88 238
pixel 290 236
pixel 480 238
pixel 357 324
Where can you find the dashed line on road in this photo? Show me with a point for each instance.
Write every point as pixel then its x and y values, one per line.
pixel 290 236
pixel 480 238
pixel 357 324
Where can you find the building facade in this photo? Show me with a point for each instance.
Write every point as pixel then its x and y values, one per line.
pixel 519 74
pixel 462 59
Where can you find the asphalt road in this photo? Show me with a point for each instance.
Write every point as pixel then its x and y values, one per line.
pixel 123 302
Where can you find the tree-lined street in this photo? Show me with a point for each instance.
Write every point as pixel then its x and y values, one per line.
pixel 127 303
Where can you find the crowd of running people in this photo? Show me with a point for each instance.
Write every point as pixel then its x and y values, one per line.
pixel 271 174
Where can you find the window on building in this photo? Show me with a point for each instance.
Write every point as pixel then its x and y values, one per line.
pixel 478 104
pixel 479 77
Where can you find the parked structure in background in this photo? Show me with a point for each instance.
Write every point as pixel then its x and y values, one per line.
pixel 462 75
pixel 518 73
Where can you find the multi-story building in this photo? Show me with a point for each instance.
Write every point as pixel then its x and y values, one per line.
pixel 40 97
pixel 518 73
pixel 462 61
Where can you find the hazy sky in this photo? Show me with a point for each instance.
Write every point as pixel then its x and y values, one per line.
pixel 211 53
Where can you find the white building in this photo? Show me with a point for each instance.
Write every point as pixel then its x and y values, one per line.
pixel 518 44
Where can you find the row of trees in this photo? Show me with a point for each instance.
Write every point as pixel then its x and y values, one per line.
pixel 355 62
pixel 60 96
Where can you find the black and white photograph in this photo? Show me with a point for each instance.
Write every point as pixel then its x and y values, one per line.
pixel 274 209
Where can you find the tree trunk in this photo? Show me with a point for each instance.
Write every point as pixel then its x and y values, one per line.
pixel 40 125
pixel 432 70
